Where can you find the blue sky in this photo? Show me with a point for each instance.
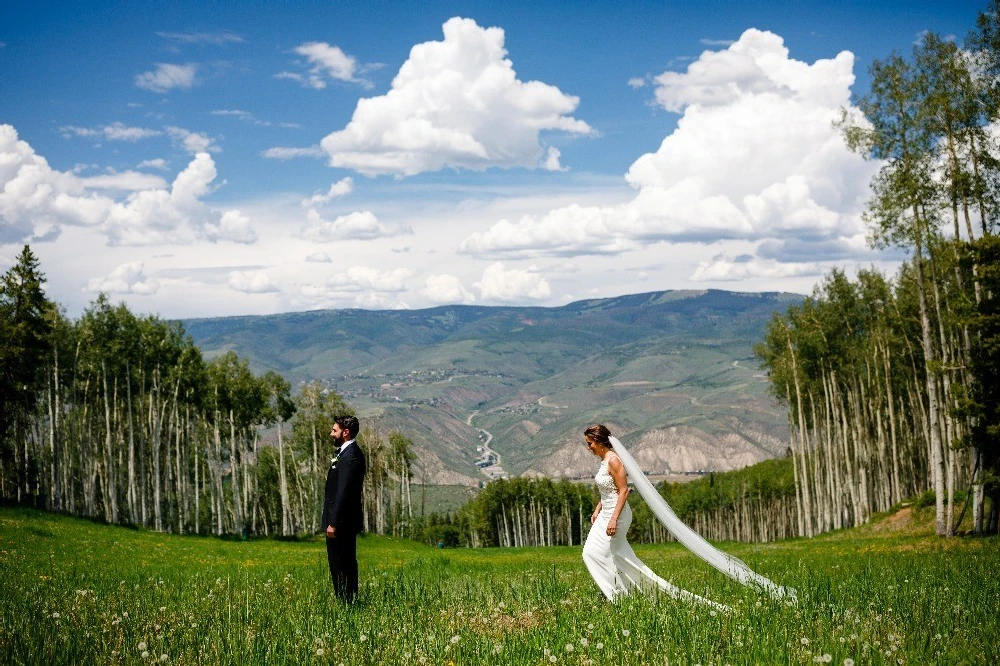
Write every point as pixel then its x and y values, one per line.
pixel 201 159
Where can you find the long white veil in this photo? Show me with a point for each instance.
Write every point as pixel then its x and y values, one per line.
pixel 724 562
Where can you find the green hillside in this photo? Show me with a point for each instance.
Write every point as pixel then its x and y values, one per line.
pixel 664 369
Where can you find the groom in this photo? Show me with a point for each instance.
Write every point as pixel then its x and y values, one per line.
pixel 342 508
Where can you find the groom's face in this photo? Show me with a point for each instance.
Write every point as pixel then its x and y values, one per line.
pixel 338 434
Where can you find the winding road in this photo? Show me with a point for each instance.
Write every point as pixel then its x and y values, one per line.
pixel 494 471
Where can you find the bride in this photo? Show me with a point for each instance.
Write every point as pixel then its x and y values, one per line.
pixel 607 553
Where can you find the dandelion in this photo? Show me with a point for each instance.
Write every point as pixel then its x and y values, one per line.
pixel 163 658
pixel 569 647
pixel 827 658
pixel 599 646
pixel 156 627
pixel 423 660
pixel 56 615
pixel 712 613
pixel 145 654
pixel 625 633
pixel 590 626
pixel 584 642
pixel 142 646
pixel 163 609
pixel 319 652
pixel 552 659
pixel 848 662
pixel 804 640
pixel 455 639
pixel 362 638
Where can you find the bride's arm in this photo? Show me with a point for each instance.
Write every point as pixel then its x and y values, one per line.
pixel 617 471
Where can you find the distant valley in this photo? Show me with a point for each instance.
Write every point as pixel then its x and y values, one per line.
pixel 488 390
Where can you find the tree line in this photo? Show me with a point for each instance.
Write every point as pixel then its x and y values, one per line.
pixel 120 418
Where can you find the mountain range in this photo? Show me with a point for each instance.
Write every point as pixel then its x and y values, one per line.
pixel 484 391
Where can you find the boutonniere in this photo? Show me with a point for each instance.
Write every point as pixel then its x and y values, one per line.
pixel 333 461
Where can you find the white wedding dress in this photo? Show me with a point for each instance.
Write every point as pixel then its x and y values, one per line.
pixel 611 560
pixel 613 563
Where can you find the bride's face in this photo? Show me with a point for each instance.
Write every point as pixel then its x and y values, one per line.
pixel 595 448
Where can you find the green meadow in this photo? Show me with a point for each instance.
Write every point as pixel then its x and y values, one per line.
pixel 76 592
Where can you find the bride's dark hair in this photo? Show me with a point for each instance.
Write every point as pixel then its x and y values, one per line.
pixel 598 433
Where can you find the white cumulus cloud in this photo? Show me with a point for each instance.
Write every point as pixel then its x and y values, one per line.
pixel 127 278
pixel 362 225
pixel 446 289
pixel 232 226
pixel 166 77
pixel 251 282
pixel 36 201
pixel 454 103
pixel 513 285
pixel 754 157
pixel 193 142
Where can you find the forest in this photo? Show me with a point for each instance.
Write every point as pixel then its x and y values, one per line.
pixel 120 418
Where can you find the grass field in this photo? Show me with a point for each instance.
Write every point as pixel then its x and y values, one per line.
pixel 74 592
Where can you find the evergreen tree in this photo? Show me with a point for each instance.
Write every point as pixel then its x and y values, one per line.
pixel 25 326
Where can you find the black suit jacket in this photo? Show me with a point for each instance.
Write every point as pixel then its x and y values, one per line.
pixel 342 505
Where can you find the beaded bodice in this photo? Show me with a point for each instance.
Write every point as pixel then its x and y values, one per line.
pixel 606 484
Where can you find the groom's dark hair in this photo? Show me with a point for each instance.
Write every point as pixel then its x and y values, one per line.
pixel 598 433
pixel 350 424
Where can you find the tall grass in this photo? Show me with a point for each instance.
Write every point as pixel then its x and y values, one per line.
pixel 73 592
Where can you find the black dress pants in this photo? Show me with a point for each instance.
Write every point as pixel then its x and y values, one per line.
pixel 342 555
